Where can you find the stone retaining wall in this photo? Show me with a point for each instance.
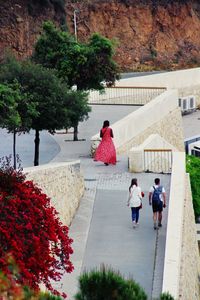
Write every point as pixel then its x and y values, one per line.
pixel 190 260
pixel 63 183
pixel 169 127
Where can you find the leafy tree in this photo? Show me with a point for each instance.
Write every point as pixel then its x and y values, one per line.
pixel 193 167
pixel 79 110
pixel 31 231
pixel 107 284
pixel 8 106
pixel 16 111
pixel 85 65
pixel 48 93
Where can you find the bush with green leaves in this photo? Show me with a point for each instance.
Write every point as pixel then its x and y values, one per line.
pixel 193 167
pixel 107 284
pixel 166 296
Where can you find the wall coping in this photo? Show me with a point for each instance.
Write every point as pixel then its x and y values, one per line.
pixel 174 79
pixel 51 166
pixel 126 128
pixel 154 141
pixel 172 262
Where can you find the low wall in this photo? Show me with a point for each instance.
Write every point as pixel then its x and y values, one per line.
pixel 63 183
pixel 187 82
pixel 181 265
pixel 161 116
pixel 190 260
pixel 157 161
pixel 169 127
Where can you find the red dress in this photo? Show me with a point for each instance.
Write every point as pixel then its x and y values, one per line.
pixel 106 152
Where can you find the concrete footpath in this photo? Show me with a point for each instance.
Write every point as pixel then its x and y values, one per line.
pixel 102 229
pixel 103 233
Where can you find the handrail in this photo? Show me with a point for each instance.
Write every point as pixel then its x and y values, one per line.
pixel 137 87
pixel 158 160
pixel 157 150
pixel 125 95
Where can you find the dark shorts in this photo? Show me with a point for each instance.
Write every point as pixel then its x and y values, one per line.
pixel 157 207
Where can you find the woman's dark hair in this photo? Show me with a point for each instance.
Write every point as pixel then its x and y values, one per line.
pixel 133 182
pixel 106 123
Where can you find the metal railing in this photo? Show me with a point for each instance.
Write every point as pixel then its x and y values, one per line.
pixel 125 95
pixel 158 160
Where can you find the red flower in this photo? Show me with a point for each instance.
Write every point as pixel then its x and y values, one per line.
pixel 32 232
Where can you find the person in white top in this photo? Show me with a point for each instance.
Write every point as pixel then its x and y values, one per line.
pixel 134 201
pixel 157 198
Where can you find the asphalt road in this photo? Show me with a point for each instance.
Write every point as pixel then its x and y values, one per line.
pixel 25 147
pixel 49 148
pixel 138 74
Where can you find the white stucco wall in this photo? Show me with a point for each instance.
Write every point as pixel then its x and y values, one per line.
pixel 189 287
pixel 63 183
pixel 187 82
pixel 157 160
pixel 182 262
pixel 147 120
pixel 171 80
pixel 172 263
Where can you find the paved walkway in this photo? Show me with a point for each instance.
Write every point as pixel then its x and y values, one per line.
pixel 49 146
pixel 102 229
pixel 103 233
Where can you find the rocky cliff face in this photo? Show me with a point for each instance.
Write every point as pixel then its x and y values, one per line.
pixel 20 24
pixel 161 34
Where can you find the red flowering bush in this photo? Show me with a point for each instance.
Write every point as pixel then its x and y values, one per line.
pixel 9 289
pixel 30 230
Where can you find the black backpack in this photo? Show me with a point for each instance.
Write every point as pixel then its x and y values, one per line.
pixel 156 195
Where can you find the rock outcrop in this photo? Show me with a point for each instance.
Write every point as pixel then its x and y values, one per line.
pixel 161 34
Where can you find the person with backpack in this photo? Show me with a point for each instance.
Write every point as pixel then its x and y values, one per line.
pixel 157 198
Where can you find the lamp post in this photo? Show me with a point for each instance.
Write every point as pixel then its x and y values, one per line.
pixel 75 23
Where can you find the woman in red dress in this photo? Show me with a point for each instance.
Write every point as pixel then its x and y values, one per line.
pixel 106 152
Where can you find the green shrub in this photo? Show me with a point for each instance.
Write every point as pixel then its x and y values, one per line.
pixel 32 295
pixel 106 284
pixel 47 296
pixel 193 167
pixel 166 296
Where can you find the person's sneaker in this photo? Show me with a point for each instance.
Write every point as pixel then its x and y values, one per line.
pixel 154 226
pixel 159 224
pixel 134 224
pixel 137 224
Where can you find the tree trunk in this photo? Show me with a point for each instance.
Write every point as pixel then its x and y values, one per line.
pixel 14 149
pixel 76 132
pixel 37 145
